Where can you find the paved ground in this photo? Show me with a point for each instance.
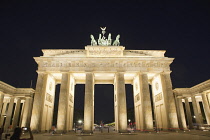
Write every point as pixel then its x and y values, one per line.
pixel 188 135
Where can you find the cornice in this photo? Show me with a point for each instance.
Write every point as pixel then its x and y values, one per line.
pixel 199 88
pixel 8 89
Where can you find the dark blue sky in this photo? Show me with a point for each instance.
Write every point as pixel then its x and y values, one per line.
pixel 182 28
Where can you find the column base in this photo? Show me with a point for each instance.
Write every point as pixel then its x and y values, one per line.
pixel 124 131
pixel 147 130
pixel 173 129
pixel 87 132
pixel 61 131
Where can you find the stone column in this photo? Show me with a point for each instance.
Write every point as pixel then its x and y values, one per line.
pixel 180 109
pixel 178 112
pixel 206 107
pixel 199 111
pixel 145 103
pixel 88 108
pixel 30 112
pixel 208 97
pixel 26 112
pixel 16 114
pixel 21 116
pixel 63 103
pixel 3 113
pixel 38 101
pixel 188 113
pixel 195 109
pixel 9 113
pixel 121 102
pixel 169 101
pixel 1 101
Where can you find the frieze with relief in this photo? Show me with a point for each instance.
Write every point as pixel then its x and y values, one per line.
pixel 70 98
pixel 158 97
pixel 49 97
pixel 105 64
pixel 137 97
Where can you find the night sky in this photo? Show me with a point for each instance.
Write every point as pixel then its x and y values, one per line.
pixel 182 28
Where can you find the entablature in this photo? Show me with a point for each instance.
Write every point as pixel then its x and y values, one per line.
pixel 98 63
pixel 10 90
pixel 102 51
pixel 195 90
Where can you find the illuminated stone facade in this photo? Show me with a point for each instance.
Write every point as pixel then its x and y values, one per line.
pixel 199 97
pixel 15 105
pixel 104 65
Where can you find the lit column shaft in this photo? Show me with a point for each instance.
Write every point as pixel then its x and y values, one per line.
pixel 188 113
pixel 181 112
pixel 208 97
pixel 63 102
pixel 9 113
pixel 1 101
pixel 145 103
pixel 3 112
pixel 38 102
pixel 195 109
pixel 121 101
pixel 169 101
pixel 26 112
pixel 206 108
pixel 199 111
pixel 16 113
pixel 88 107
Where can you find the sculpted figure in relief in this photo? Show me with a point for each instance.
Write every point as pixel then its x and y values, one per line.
pixel 103 41
pixel 93 41
pixel 117 41
pixel 99 39
pixel 109 40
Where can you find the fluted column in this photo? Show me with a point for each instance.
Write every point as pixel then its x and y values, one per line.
pixel 9 113
pixel 88 107
pixel 30 112
pixel 208 97
pixel 16 114
pixel 199 111
pixel 147 120
pixel 26 112
pixel 195 109
pixel 1 101
pixel 206 107
pixel 3 113
pixel 169 101
pixel 38 101
pixel 188 113
pixel 181 115
pixel 121 101
pixel 63 102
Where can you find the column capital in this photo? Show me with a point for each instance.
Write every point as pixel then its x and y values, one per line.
pixel 193 95
pixel 204 93
pixel 28 97
pixel 41 72
pixel 89 72
pixel 17 98
pixel 23 101
pixel 140 72
pixel 64 72
pixel 11 97
pixel 166 72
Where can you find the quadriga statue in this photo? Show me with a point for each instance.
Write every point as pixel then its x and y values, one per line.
pixel 117 41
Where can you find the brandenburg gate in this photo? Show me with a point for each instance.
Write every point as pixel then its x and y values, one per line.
pixel 104 62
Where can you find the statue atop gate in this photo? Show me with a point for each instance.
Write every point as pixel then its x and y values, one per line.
pixel 103 41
